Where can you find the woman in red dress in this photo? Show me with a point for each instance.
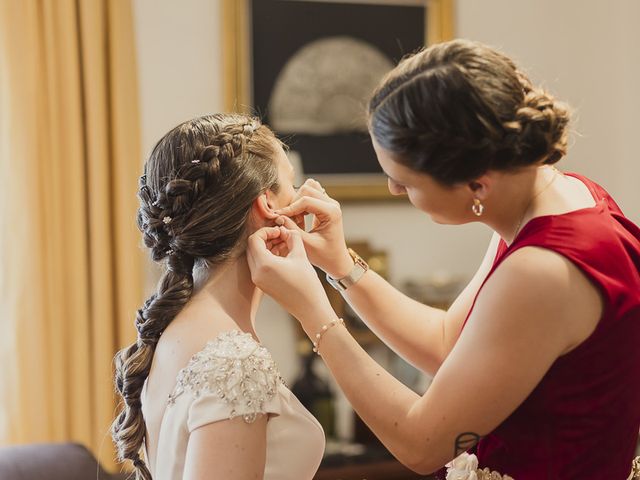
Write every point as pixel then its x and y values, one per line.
pixel 537 363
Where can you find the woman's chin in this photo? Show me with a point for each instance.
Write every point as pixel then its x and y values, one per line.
pixel 439 220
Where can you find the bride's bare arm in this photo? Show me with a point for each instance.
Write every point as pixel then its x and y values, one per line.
pixel 228 449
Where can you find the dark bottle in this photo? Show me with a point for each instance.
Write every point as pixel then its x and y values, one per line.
pixel 314 392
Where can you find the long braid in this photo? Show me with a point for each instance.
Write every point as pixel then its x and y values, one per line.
pixel 175 202
pixel 133 364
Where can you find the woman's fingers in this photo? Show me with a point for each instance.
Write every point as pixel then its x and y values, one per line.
pixel 276 247
pixel 295 245
pixel 308 205
pixel 299 221
pixel 308 200
pixel 325 196
pixel 282 250
pixel 284 221
pixel 312 188
pixel 265 234
pixel 296 222
pixel 316 185
pixel 279 241
pixel 309 190
pixel 261 241
pixel 272 243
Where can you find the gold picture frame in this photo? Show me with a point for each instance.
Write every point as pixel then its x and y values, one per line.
pixel 235 21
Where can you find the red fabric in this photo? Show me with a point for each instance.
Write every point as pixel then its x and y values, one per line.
pixel 582 420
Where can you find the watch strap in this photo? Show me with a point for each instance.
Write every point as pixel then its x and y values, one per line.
pixel 359 269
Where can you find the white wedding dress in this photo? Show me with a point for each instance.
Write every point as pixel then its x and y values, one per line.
pixel 235 376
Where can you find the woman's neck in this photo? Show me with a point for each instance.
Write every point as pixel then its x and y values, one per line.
pixel 228 287
pixel 521 198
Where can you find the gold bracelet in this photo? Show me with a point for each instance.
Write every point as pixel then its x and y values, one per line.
pixel 332 323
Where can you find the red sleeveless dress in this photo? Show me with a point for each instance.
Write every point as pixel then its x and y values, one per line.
pixel 582 420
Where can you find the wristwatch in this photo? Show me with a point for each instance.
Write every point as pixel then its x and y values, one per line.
pixel 359 269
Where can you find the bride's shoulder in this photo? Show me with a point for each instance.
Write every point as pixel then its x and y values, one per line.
pixel 232 343
pixel 234 368
pixel 228 344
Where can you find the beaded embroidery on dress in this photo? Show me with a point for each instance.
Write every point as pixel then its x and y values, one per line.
pixel 236 369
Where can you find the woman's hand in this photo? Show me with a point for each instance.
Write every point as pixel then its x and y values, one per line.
pixel 324 243
pixel 280 268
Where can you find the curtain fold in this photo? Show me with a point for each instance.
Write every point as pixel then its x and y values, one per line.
pixel 70 262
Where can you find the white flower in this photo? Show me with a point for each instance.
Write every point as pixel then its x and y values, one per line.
pixel 463 467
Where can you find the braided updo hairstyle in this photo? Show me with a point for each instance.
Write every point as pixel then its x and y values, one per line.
pixel 195 198
pixel 458 109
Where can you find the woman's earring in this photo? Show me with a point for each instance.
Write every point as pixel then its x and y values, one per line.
pixel 477 207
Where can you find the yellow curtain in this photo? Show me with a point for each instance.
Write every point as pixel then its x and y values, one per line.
pixel 70 262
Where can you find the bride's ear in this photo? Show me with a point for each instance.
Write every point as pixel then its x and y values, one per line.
pixel 263 208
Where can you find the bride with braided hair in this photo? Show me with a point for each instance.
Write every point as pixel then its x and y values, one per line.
pixel 202 398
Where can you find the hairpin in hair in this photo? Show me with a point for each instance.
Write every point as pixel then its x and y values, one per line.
pixel 250 127
pixel 167 220
pixel 195 161
pixel 171 251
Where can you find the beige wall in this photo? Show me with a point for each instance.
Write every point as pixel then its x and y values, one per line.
pixel 179 58
pixel 585 51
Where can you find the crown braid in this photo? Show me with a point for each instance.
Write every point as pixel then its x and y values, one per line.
pixel 162 217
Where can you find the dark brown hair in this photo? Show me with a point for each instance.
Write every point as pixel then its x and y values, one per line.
pixel 195 198
pixel 458 109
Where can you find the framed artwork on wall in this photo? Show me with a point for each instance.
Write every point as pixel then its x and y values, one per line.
pixel 308 67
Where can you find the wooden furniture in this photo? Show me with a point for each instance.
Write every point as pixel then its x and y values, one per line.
pixel 379 470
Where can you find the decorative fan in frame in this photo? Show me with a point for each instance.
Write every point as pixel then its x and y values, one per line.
pixel 308 67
